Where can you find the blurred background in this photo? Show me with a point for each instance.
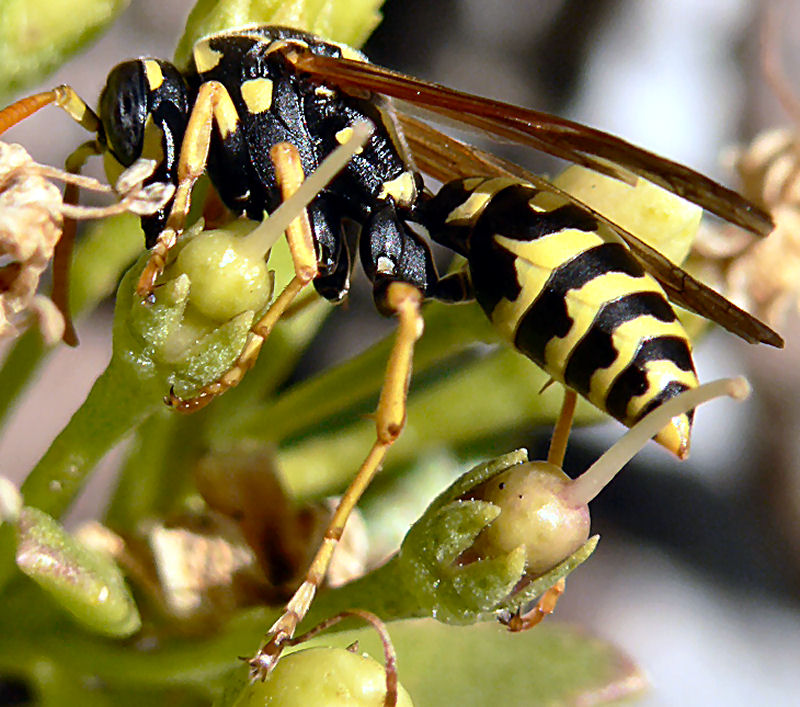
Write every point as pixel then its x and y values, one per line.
pixel 697 575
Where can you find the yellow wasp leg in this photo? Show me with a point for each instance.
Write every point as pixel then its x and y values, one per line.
pixel 558 442
pixel 544 607
pixel 405 301
pixel 62 255
pixel 289 174
pixel 213 105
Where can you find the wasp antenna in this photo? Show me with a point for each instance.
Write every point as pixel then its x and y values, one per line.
pixel 76 108
pixel 23 108
pixel 595 478
pixel 63 96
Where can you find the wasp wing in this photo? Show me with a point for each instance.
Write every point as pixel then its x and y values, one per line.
pixel 548 133
pixel 445 159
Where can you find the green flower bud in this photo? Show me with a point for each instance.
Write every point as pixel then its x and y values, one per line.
pixel 226 280
pixel 534 516
pixel 323 677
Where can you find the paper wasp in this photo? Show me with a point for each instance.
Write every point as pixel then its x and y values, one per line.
pixel 550 273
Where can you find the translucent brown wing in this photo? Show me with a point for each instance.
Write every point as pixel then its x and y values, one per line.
pixel 548 133
pixel 446 158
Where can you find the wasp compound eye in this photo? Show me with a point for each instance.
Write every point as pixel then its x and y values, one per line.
pixel 124 110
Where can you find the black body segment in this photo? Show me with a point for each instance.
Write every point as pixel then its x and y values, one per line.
pixel 275 105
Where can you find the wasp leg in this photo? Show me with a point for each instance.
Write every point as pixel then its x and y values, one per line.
pixel 289 175
pixel 546 605
pixel 405 300
pixel 62 255
pixel 213 104
pixel 558 442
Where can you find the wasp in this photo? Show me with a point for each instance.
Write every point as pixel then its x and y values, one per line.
pixel 259 108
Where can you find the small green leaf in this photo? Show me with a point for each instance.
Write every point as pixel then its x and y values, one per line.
pixel 85 582
pixel 484 664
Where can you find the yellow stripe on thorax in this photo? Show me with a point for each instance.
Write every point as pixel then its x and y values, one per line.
pixel 402 189
pixel 257 94
pixel 205 57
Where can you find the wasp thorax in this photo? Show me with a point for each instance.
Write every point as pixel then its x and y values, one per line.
pixel 534 513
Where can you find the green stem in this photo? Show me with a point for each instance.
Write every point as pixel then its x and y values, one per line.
pixel 118 402
pixel 18 370
pixel 153 478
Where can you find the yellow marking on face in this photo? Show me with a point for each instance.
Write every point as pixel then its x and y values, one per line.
pixel 153 143
pixel 344 135
pixel 402 189
pixel 584 304
pixel 482 192
pixel 205 57
pixel 257 94
pixel 155 77
pixel 626 339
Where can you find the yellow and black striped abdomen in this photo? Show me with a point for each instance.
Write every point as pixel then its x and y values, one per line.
pixel 565 292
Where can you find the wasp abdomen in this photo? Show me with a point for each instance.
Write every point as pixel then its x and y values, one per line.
pixel 564 291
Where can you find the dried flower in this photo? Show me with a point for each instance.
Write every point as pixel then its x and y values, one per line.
pixel 31 221
pixel 762 275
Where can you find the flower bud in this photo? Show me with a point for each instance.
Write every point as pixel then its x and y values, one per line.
pixel 324 677
pixel 534 515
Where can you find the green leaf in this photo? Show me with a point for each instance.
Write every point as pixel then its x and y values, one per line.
pixel 484 664
pixel 37 36
pixel 85 582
